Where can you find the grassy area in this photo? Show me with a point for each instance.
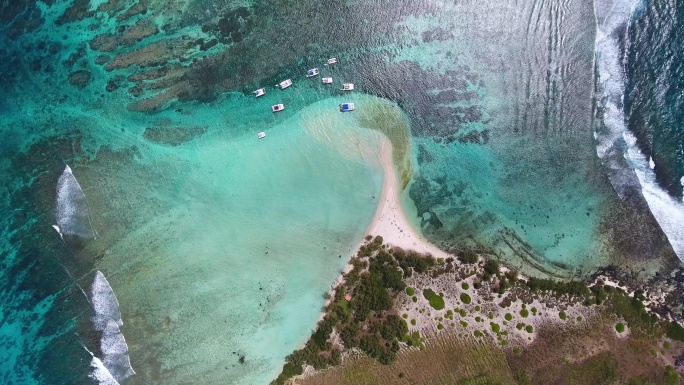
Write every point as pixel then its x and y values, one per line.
pixel 447 359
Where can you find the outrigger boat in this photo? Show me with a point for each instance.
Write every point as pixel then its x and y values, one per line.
pixel 347 107
pixel 347 87
pixel 327 80
pixel 261 135
pixel 277 107
pixel 260 92
pixel 285 83
pixel 312 72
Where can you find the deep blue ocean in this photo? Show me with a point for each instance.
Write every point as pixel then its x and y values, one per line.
pixel 136 200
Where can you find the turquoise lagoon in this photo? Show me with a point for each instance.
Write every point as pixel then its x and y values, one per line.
pixel 219 245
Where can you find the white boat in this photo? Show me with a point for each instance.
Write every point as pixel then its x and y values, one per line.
pixel 332 60
pixel 327 80
pixel 312 72
pixel 347 87
pixel 261 135
pixel 346 107
pixel 277 107
pixel 285 83
pixel 259 92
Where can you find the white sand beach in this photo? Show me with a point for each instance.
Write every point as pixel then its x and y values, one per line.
pixel 390 220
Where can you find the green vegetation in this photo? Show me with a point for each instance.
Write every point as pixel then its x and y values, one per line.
pixel 464 324
pixel 413 322
pixel 440 326
pixel 478 308
pixel 478 333
pixel 508 317
pixel 436 301
pixel 288 371
pixel 465 298
pixel 601 369
pixel 410 291
pixel 465 286
pixel 671 377
pixel 491 267
pixel 563 316
pixel 579 318
pixel 675 332
pixel 495 327
pixel 524 313
pixel 363 323
pixel 529 329
pixel 520 326
pixel 572 288
pixel 468 257
pixel 620 327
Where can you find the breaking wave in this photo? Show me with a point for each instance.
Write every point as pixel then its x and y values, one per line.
pixel 100 373
pixel 72 214
pixel 628 167
pixel 107 321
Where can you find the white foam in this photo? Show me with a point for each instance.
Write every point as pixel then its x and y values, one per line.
pixel 107 321
pixel 612 17
pixel 72 214
pixel 58 231
pixel 100 373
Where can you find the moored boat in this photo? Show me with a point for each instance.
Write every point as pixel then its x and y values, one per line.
pixel 285 83
pixel 332 60
pixel 312 72
pixel 277 107
pixel 259 92
pixel 347 107
pixel 327 80
pixel 347 87
pixel 261 135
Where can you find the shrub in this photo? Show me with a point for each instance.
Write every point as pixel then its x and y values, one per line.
pixel 524 313
pixel 563 316
pixel 465 286
pixel 478 308
pixel 468 257
pixel 675 331
pixel 579 318
pixel 495 327
pixel 464 324
pixel 478 333
pixel 465 298
pixel 440 326
pixel 529 329
pixel 491 267
pixel 520 326
pixel 410 291
pixel 508 317
pixel 620 327
pixel 436 301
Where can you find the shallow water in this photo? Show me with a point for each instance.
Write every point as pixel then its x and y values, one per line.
pixel 218 245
